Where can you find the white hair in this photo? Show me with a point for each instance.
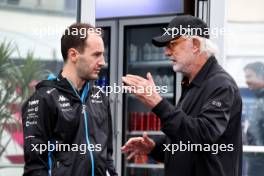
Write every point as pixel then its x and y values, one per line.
pixel 207 46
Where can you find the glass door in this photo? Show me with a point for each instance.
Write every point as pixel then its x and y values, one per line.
pixel 139 58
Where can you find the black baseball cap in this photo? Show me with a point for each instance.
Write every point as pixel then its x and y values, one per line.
pixel 182 25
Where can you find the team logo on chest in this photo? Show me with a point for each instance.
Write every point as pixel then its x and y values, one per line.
pixel 95 97
pixel 62 98
pixel 64 103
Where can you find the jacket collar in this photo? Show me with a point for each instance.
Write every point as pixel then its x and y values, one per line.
pixel 202 74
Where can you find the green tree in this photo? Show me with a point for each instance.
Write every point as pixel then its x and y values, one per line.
pixel 7 88
pixel 16 85
pixel 27 75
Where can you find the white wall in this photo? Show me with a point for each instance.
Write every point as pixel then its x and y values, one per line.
pixel 39 33
pixel 245 39
pixel 57 5
pixel 245 10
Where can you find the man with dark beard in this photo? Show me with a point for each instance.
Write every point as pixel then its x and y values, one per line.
pixel 69 111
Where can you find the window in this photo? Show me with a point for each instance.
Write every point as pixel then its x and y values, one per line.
pixel 30 30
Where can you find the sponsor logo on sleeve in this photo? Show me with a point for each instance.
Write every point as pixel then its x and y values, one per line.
pixel 217 103
pixel 33 102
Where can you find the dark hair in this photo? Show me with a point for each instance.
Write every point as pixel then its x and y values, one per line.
pixel 257 67
pixel 74 37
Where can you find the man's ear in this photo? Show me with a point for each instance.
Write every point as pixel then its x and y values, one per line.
pixel 73 54
pixel 196 45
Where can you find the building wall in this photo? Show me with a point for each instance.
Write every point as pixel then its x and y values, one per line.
pixel 245 36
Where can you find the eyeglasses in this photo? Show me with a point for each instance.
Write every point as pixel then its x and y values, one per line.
pixel 175 42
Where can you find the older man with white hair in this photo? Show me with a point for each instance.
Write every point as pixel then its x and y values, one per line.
pixel 203 131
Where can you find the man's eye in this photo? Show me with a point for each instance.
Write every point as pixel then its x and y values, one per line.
pixel 97 54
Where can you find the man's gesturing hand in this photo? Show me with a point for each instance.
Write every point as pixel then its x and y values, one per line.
pixel 138 146
pixel 135 84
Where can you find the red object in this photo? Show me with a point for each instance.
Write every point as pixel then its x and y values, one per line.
pixel 18 90
pixel 158 123
pixel 18 137
pixel 16 132
pixel 148 121
pixel 145 126
pixel 140 159
pixel 137 117
pixel 154 122
pixel 133 121
pixel 15 159
pixel 141 121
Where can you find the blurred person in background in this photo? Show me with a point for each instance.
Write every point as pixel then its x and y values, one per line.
pixel 254 75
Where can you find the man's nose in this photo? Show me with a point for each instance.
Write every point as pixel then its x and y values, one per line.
pixel 167 51
pixel 102 61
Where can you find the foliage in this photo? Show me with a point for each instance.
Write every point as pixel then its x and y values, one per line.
pixel 16 85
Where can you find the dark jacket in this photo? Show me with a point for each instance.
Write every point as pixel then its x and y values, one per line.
pixel 55 115
pixel 256 121
pixel 209 114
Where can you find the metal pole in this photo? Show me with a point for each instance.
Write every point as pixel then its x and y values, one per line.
pixel 86 11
